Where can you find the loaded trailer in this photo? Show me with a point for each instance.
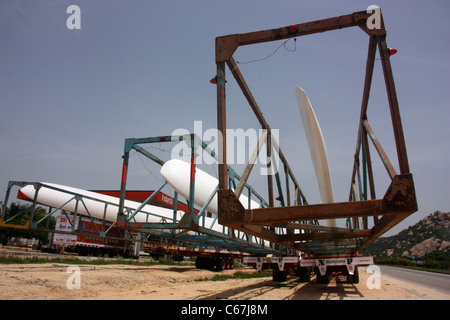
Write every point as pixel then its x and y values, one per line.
pixel 86 225
pixel 81 235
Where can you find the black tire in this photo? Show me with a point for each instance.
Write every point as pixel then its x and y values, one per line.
pixel 203 263
pixel 279 276
pixel 325 279
pixel 304 274
pixel 227 263
pixel 355 277
pixel 220 263
pixel 231 264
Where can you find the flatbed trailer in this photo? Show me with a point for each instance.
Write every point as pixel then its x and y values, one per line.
pixel 205 258
pixel 85 239
pixel 323 267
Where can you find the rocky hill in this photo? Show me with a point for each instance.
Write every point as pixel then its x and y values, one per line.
pixel 432 233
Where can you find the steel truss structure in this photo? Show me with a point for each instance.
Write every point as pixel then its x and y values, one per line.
pixel 43 223
pixel 191 229
pixel 398 202
pixel 228 239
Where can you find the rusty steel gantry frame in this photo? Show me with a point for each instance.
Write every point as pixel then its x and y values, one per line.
pixel 399 200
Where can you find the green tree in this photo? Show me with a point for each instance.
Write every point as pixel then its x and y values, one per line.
pixel 21 219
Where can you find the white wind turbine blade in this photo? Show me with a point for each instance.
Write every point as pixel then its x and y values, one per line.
pixel 317 149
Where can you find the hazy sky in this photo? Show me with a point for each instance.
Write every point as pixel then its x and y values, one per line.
pixel 69 98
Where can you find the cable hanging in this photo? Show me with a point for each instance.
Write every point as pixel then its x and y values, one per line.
pixel 281 45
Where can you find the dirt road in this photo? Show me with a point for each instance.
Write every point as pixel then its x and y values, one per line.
pixel 159 282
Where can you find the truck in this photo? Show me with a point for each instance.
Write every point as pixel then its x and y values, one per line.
pixel 87 241
pixel 304 266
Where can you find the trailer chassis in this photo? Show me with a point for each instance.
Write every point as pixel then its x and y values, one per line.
pixel 323 267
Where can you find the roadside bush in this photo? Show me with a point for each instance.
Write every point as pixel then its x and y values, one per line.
pixel 404 262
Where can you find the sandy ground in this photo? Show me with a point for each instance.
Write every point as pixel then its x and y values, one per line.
pixel 118 282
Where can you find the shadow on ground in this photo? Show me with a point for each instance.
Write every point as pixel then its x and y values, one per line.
pixel 291 289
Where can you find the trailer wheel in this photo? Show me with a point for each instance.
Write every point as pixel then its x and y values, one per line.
pixel 205 263
pixel 231 264
pixel 304 274
pixel 227 263
pixel 279 276
pixel 355 277
pixel 321 279
pixel 220 263
pixel 200 263
pixel 197 263
pixel 82 251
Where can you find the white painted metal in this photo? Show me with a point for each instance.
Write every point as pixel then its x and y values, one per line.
pixel 178 174
pixel 317 149
pixel 95 204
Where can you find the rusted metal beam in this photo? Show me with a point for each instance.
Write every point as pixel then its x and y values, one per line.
pixel 368 163
pixel 232 207
pixel 384 158
pixel 369 75
pixel 311 212
pixel 402 199
pixel 365 101
pixel 247 93
pixel 393 105
pixel 398 202
pixel 383 225
pixel 288 191
pixel 249 167
pixel 399 198
pixel 369 167
pixel 257 111
pixel 227 45
pixel 222 126
pixel 260 231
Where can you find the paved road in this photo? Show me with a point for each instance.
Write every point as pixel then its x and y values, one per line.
pixel 436 281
